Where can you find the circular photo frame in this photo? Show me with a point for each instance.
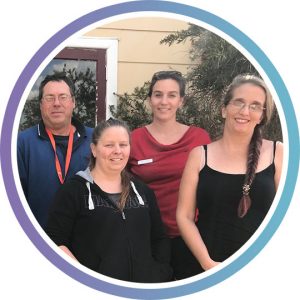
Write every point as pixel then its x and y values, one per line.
pixel 159 291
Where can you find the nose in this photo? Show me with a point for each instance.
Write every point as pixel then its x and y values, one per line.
pixel 56 101
pixel 164 99
pixel 245 109
pixel 117 148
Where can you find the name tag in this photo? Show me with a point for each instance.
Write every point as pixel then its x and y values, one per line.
pixel 145 161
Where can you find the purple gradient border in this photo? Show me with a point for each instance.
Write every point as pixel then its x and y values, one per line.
pixel 9 119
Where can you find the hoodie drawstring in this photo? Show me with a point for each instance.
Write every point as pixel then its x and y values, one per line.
pixel 91 203
pixel 141 201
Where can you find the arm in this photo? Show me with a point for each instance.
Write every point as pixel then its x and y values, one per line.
pixel 62 215
pixel 160 243
pixel 278 163
pixel 21 164
pixel 186 207
pixel 67 251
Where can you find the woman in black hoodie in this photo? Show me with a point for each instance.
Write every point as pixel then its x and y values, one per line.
pixel 108 220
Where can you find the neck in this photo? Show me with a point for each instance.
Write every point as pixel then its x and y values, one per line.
pixel 108 182
pixel 235 144
pixel 97 172
pixel 65 131
pixel 167 126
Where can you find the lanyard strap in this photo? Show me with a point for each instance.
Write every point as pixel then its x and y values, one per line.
pixel 68 156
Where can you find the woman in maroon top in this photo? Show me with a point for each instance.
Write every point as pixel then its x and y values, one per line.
pixel 159 153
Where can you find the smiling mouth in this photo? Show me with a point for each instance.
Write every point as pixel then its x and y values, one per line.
pixel 241 121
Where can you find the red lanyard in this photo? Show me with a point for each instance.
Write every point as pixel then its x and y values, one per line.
pixel 68 156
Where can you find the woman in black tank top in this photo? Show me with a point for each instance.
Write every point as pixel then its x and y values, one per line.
pixel 232 181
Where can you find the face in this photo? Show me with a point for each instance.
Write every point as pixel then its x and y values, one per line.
pixel 112 149
pixel 57 114
pixel 245 109
pixel 165 99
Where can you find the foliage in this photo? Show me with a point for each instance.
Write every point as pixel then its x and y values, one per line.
pixel 215 64
pixel 85 95
pixel 133 108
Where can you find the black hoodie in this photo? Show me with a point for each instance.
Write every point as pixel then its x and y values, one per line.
pixel 129 245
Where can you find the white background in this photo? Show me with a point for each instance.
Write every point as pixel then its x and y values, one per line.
pixel 25 26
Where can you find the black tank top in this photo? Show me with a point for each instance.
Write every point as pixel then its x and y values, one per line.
pixel 218 196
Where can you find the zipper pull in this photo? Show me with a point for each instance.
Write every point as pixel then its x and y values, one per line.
pixel 123 215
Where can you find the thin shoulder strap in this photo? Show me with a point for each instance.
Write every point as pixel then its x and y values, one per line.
pixel 274 149
pixel 205 154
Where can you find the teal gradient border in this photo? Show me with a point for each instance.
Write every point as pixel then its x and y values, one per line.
pixel 182 10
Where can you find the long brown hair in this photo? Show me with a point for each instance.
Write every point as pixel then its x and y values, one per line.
pixel 256 140
pixel 125 175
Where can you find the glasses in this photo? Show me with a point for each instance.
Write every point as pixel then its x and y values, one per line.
pixel 61 98
pixel 253 107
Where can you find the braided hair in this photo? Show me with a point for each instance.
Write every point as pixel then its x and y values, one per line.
pixel 256 140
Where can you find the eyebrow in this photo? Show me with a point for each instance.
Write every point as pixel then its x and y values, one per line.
pixel 169 92
pixel 253 102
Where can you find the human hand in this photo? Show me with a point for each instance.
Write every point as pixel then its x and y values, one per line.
pixel 210 264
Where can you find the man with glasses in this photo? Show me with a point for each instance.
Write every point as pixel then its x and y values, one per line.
pixel 53 150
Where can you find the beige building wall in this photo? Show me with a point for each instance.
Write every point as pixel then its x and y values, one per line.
pixel 140 53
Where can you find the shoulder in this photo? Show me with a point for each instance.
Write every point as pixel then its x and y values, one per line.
pixel 81 128
pixel 200 133
pixel 28 136
pixel 140 185
pixel 275 149
pixel 197 129
pixel 28 132
pixel 196 153
pixel 88 130
pixel 196 157
pixel 269 145
pixel 138 131
pixel 73 185
pixel 279 151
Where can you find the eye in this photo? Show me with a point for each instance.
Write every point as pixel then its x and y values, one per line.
pixel 63 97
pixel 238 103
pixel 49 98
pixel 256 107
pixel 157 95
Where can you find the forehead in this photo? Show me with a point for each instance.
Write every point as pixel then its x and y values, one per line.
pixel 56 87
pixel 166 85
pixel 114 133
pixel 249 91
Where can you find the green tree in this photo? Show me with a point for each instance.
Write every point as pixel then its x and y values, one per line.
pixel 215 63
pixel 132 108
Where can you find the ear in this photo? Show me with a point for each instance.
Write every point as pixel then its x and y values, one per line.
pixel 224 112
pixel 261 118
pixel 93 149
pixel 182 101
pixel 148 102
